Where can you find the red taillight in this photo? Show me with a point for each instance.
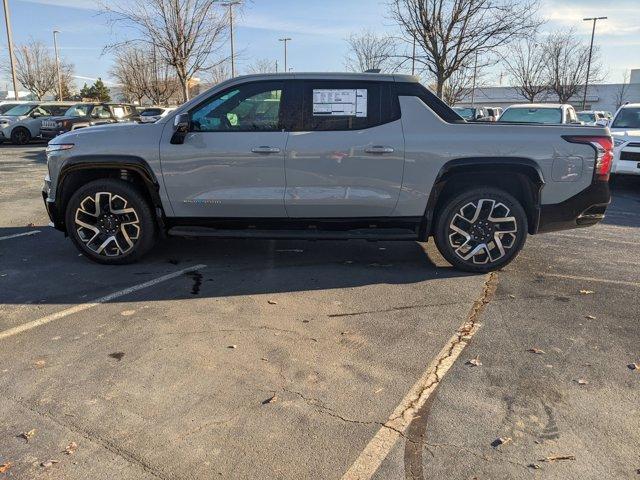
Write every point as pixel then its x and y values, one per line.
pixel 603 145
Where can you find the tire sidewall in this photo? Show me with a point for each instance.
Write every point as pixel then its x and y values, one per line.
pixel 14 138
pixel 134 199
pixel 453 205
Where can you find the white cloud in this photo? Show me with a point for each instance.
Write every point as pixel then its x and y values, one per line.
pixel 622 20
pixel 81 4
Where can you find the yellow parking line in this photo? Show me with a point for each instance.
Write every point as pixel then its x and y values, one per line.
pixel 85 306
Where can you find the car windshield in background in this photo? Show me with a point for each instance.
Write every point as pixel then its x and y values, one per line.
pixel 532 115
pixel 586 117
pixel 627 118
pixel 80 110
pixel 466 113
pixel 19 110
pixel 7 106
pixel 152 112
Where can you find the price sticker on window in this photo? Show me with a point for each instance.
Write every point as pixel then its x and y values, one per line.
pixel 340 102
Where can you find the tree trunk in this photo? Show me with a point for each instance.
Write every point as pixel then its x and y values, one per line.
pixel 184 83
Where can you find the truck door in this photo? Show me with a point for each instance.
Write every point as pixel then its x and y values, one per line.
pixel 231 163
pixel 346 155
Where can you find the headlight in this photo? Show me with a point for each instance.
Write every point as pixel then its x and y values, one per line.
pixel 56 147
pixel 618 141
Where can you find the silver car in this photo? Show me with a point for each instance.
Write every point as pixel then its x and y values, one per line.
pixel 325 156
pixel 22 123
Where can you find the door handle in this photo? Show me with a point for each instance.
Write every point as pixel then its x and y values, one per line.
pixel 379 149
pixel 265 149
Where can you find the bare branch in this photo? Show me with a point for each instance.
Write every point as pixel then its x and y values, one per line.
pixel 369 51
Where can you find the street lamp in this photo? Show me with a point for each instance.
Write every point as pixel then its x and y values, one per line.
pixel 285 40
pixel 7 22
pixel 55 47
pixel 593 31
pixel 233 60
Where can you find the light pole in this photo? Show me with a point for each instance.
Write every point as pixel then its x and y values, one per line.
pixel 593 31
pixel 233 57
pixel 475 72
pixel 285 40
pixel 7 22
pixel 55 47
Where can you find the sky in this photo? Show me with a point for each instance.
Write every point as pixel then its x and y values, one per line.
pixel 318 29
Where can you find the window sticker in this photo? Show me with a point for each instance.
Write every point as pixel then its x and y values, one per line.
pixel 340 103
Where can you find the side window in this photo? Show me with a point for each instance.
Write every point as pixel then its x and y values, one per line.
pixel 341 105
pixel 118 111
pixel 252 107
pixel 100 111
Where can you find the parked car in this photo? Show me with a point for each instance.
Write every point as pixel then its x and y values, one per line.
pixel 471 114
pixel 546 113
pixel 325 156
pixel 592 117
pixel 22 122
pixel 81 115
pixel 153 114
pixel 625 129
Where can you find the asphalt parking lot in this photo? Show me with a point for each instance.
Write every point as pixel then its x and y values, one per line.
pixel 324 360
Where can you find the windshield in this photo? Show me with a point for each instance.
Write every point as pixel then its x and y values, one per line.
pixel 80 110
pixel 19 110
pixel 7 106
pixel 466 113
pixel 532 115
pixel 627 118
pixel 586 117
pixel 152 112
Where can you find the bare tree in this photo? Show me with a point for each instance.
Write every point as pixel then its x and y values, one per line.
pixel 450 32
pixel 261 65
pixel 370 51
pixel 219 73
pixel 526 65
pixel 458 85
pixel 566 60
pixel 621 93
pixel 185 33
pixel 130 70
pixel 36 68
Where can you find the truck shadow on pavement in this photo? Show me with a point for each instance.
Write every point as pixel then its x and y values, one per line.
pixel 45 268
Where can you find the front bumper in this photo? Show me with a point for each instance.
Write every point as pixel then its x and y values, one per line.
pixel 626 160
pixel 582 210
pixel 51 207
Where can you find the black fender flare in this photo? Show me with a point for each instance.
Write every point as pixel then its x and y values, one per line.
pixel 466 165
pixel 113 162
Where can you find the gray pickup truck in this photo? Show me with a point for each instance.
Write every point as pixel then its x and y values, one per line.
pixel 325 156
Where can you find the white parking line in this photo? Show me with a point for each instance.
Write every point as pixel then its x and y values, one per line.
pixel 592 279
pixel 370 459
pixel 16 235
pixel 84 306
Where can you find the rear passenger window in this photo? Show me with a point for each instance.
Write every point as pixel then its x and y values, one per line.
pixel 343 105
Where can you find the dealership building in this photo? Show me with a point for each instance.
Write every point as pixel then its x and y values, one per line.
pixel 599 96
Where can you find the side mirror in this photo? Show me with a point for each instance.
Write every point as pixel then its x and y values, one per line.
pixel 181 126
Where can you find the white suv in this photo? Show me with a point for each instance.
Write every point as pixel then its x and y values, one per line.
pixel 625 130
pixel 22 123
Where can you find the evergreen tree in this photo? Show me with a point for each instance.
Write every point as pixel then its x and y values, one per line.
pixel 85 92
pixel 99 91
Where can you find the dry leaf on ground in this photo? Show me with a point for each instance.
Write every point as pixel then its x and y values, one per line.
pixel 4 467
pixel 634 366
pixel 582 381
pixel 501 441
pixel 590 317
pixel 270 400
pixel 272 302
pixel 475 362
pixel 232 346
pixel 71 448
pixel 48 463
pixel 28 435
pixel 537 351
pixel 40 364
pixel 586 292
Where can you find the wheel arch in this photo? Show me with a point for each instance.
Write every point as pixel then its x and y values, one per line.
pixel 522 177
pixel 80 170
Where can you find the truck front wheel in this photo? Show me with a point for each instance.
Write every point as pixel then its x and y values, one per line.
pixel 110 222
pixel 481 230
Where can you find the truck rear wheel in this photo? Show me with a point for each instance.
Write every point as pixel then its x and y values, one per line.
pixel 481 230
pixel 110 222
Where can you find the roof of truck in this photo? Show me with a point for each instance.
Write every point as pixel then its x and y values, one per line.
pixel 539 105
pixel 381 77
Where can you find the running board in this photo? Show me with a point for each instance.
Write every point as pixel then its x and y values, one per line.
pixel 373 234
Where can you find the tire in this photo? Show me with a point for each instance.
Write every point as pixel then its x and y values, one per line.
pixel 120 231
pixel 20 136
pixel 467 223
